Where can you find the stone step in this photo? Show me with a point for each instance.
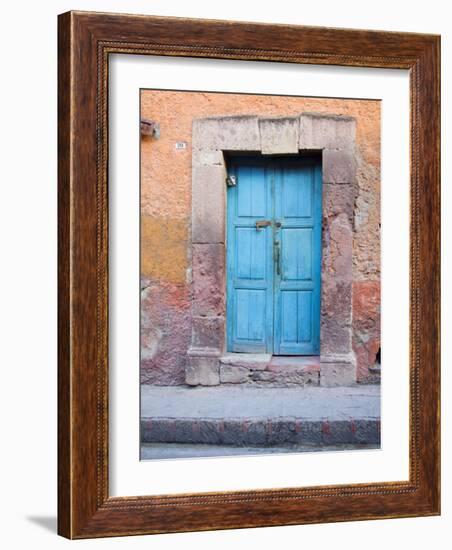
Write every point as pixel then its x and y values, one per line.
pixel 265 369
pixel 261 416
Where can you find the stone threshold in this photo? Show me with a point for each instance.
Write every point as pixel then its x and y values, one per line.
pixel 264 368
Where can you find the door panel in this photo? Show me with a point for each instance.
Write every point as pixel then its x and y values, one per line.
pixel 250 316
pixel 250 253
pixel 298 207
pixel 273 272
pixel 296 258
pixel 296 326
pixel 297 194
pixel 249 259
pixel 251 194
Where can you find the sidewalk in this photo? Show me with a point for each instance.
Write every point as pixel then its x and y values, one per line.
pixel 163 451
pixel 248 416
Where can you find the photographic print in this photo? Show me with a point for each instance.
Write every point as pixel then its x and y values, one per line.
pixel 260 274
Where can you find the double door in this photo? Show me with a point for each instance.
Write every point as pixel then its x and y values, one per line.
pixel 274 220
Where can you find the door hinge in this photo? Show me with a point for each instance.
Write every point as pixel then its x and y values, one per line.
pixel 231 181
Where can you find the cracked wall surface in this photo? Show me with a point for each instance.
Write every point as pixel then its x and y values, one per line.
pixel 166 222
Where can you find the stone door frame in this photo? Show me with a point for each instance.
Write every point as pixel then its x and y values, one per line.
pixel 332 135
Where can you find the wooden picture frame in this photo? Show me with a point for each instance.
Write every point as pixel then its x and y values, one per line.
pixel 86 40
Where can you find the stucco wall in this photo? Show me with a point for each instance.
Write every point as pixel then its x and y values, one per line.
pixel 166 217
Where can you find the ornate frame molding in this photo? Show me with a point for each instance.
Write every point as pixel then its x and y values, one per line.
pixel 85 508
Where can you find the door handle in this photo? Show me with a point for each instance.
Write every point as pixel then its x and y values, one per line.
pixel 260 224
pixel 278 258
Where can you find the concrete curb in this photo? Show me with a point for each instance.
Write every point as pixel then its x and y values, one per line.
pixel 260 432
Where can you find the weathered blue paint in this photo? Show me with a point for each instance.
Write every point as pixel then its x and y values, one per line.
pixel 249 259
pixel 273 272
pixel 298 206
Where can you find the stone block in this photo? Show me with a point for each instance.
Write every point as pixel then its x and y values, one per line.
pixel 233 432
pixel 196 431
pixel 336 301
pixel 310 432
pixel 281 432
pixel 285 377
pixel 337 252
pixel 208 271
pixel 367 431
pixel 336 317
pixel 208 332
pixel 303 363
pixel 338 166
pixel 336 334
pixel 207 157
pixel 338 199
pixel 202 370
pixel 256 434
pixel 338 432
pixel 345 133
pixel 321 131
pixel 279 135
pixel 180 431
pixel 254 361
pixel 235 133
pixel 207 432
pixel 337 371
pixel 208 204
pixel 243 432
pixel 264 376
pixel 233 375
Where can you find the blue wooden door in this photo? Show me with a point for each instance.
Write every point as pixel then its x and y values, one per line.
pixel 273 256
pixel 250 258
pixel 298 211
